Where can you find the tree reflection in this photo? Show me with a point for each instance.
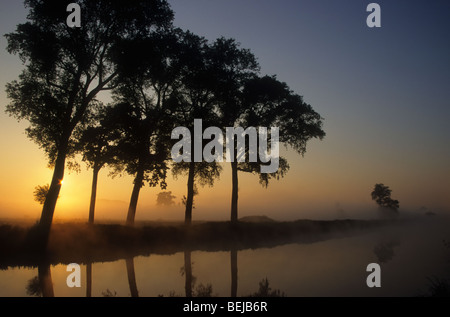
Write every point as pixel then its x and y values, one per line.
pixel 234 272
pixel 384 250
pixel 131 277
pixel 191 289
pixel 42 284
pixel 89 279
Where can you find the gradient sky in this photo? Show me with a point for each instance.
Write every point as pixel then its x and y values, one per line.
pixel 384 94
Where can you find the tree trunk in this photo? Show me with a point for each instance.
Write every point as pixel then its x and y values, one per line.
pixel 131 277
pixel 234 272
pixel 48 209
pixel 234 192
pixel 134 197
pixel 96 170
pixel 190 194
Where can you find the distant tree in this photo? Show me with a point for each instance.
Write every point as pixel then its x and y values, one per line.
pixel 382 196
pixel 40 193
pixel 65 69
pixel 165 199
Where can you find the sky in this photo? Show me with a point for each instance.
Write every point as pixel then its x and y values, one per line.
pixel 384 94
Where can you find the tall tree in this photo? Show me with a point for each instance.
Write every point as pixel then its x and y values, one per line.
pixel 244 100
pixel 95 144
pixel 140 150
pixel 194 99
pixel 254 101
pixel 147 75
pixel 65 69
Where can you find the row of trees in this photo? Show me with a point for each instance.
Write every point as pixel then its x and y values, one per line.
pixel 159 77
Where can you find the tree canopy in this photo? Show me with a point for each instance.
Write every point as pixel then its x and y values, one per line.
pixel 382 196
pixel 65 69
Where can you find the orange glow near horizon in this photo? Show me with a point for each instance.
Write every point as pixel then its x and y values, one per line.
pixel 311 189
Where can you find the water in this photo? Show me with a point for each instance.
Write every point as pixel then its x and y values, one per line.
pixel 408 256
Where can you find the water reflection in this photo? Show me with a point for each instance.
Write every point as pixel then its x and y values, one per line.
pixel 234 272
pixel 409 257
pixel 187 272
pixel 42 284
pixel 192 289
pixel 384 250
pixel 131 277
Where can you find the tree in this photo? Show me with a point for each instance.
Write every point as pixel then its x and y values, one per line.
pixel 247 100
pixel 140 151
pixel 233 67
pixel 147 75
pixel 165 199
pixel 65 68
pixel 193 98
pixel 382 196
pixel 95 145
pixel 257 102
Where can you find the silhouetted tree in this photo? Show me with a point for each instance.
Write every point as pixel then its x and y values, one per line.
pixel 193 99
pixel 140 150
pixel 147 77
pixel 199 173
pixel 40 193
pixel 255 101
pixel 65 68
pixel 95 143
pixel 233 66
pixel 382 196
